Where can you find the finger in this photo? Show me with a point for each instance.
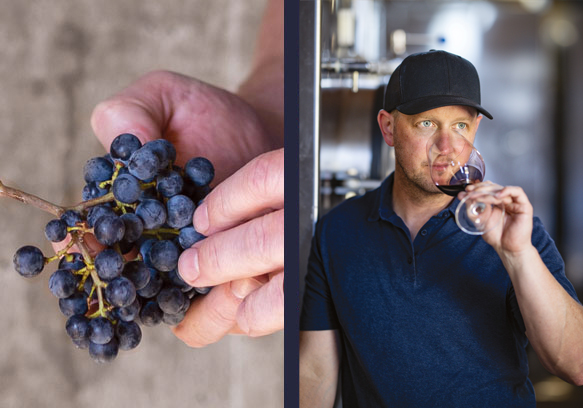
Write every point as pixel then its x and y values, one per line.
pixel 209 317
pixel 256 188
pixel 139 109
pixel 212 316
pixel 262 311
pixel 247 250
pixel 516 193
pixel 483 186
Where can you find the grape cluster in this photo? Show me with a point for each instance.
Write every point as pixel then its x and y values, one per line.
pixel 139 206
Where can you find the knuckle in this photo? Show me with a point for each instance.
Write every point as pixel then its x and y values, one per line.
pixel 257 240
pixel 209 257
pixel 218 205
pixel 264 174
pixel 263 239
pixel 221 316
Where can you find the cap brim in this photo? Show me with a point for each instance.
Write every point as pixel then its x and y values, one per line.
pixel 427 103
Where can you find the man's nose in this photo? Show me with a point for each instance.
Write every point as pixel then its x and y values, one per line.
pixel 445 141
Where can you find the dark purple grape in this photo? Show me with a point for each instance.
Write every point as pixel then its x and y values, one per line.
pixel 171 300
pixel 145 251
pixel 88 285
pixel 173 319
pixel 129 335
pixel 92 190
pixel 75 262
pixel 62 283
pixel 169 183
pixel 126 188
pixel 56 230
pixel 164 255
pixel 151 314
pixel 164 150
pixel 191 293
pixel 109 264
pixel 203 290
pixel 189 236
pixel 200 171
pixel 133 227
pixel 152 212
pixel 120 292
pixel 97 212
pixel 97 169
pixel 180 210
pixel 138 273
pixel 104 353
pixel 128 313
pixel 77 327
pixel 102 330
pixel 144 164
pixel 71 218
pixel 28 261
pixel 123 146
pixel 175 278
pixel 109 229
pixel 153 286
pixel 76 304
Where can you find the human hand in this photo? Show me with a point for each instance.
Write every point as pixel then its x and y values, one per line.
pixel 202 120
pixel 243 218
pixel 513 234
pixel 199 119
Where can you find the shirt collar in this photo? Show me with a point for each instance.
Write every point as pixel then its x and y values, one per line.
pixel 382 205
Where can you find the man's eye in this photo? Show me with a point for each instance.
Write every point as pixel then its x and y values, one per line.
pixel 462 126
pixel 426 123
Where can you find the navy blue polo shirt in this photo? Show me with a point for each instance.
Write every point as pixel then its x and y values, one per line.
pixel 428 323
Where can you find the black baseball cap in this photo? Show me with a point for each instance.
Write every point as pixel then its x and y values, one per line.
pixel 432 79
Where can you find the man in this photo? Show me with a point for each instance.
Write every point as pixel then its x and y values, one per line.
pixel 412 311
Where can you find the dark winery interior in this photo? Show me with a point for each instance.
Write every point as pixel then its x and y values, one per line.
pixel 529 54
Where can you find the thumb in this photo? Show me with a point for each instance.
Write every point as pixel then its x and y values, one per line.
pixel 262 311
pixel 138 109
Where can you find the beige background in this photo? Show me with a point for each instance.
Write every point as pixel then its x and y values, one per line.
pixel 58 59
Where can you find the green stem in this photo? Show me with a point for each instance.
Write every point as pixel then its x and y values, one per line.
pixel 59 254
pixel 159 231
pixel 98 284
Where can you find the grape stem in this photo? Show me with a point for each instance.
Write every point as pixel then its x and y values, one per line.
pixel 83 205
pixel 97 282
pixel 47 206
pixel 41 204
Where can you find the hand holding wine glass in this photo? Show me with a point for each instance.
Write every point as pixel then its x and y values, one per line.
pixel 454 164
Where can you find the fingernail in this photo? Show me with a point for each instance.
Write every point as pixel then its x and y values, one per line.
pixel 188 265
pixel 242 287
pixel 201 218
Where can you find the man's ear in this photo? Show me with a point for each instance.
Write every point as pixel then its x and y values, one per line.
pixel 386 124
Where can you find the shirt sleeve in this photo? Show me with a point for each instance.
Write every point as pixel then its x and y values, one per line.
pixel 318 312
pixel 552 258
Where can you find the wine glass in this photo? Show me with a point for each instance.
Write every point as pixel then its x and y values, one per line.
pixel 454 163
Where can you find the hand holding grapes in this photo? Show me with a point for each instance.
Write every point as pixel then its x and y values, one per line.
pixel 243 218
pixel 201 120
pixel 197 118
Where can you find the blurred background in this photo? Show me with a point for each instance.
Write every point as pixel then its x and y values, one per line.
pixel 58 59
pixel 529 54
